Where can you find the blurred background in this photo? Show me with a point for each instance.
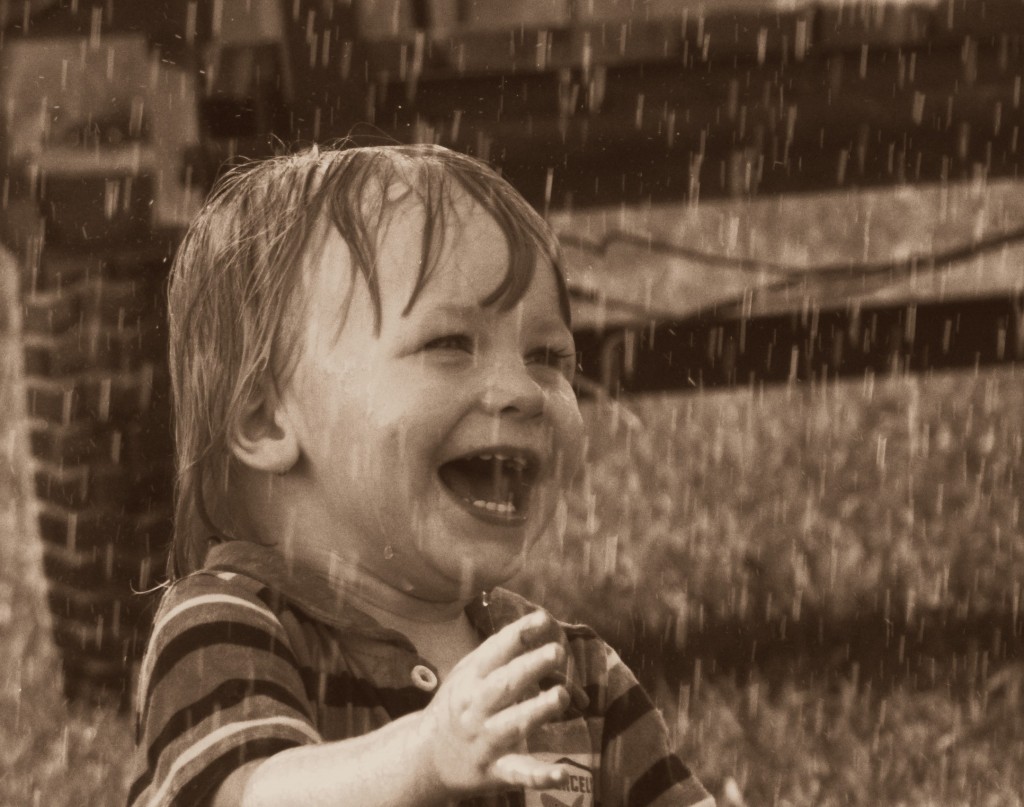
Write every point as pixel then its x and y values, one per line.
pixel 794 234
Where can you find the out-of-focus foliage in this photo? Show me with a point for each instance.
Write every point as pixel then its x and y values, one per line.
pixel 805 746
pixel 826 498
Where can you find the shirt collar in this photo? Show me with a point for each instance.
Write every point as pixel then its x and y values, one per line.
pixel 323 596
pixel 319 594
pixel 491 612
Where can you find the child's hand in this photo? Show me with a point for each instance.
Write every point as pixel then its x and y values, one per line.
pixel 475 725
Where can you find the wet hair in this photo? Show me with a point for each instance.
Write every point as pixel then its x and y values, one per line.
pixel 237 282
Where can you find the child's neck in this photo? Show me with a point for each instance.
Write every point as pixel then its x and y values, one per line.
pixel 441 632
pixel 392 606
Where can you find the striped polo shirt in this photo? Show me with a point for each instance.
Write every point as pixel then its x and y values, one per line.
pixel 249 657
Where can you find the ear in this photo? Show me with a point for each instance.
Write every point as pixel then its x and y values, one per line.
pixel 262 436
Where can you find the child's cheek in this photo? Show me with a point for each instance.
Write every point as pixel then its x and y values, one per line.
pixel 355 390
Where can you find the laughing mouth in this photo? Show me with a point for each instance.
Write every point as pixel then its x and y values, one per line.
pixel 495 482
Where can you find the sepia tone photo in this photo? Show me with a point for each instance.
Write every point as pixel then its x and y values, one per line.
pixel 541 403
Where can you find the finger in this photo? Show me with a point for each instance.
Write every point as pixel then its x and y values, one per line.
pixel 520 677
pixel 522 770
pixel 524 634
pixel 515 723
pixel 541 628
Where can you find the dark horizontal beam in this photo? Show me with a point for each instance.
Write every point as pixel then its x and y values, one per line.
pixel 947 648
pixel 812 345
pixel 662 132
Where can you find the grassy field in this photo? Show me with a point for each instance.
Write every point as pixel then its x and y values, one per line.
pixel 706 523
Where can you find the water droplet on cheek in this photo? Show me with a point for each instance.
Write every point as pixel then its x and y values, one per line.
pixel 389 552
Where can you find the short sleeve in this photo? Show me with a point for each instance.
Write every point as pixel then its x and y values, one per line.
pixel 219 686
pixel 639 767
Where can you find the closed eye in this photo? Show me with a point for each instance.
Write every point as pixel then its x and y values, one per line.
pixel 561 358
pixel 451 341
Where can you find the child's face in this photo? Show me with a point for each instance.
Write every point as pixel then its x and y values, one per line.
pixel 434 453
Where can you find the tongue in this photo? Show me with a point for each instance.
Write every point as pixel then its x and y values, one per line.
pixel 481 480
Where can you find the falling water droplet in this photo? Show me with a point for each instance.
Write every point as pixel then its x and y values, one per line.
pixel 485 598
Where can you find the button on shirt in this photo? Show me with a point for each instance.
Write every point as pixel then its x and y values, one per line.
pixel 424 678
pixel 250 656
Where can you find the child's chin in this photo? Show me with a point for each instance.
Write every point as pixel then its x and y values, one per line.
pixel 489 575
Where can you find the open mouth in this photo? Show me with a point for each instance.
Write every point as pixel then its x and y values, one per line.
pixel 495 483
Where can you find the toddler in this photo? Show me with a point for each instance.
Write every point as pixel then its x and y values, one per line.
pixel 372 362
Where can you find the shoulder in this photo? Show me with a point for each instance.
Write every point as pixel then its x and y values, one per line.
pixel 206 598
pixel 219 685
pixel 204 612
pixel 216 588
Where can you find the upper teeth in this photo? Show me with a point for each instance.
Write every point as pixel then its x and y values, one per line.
pixel 516 461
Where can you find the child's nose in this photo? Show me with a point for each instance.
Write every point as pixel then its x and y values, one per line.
pixel 511 390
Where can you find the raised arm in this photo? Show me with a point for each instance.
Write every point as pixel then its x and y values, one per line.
pixel 464 743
